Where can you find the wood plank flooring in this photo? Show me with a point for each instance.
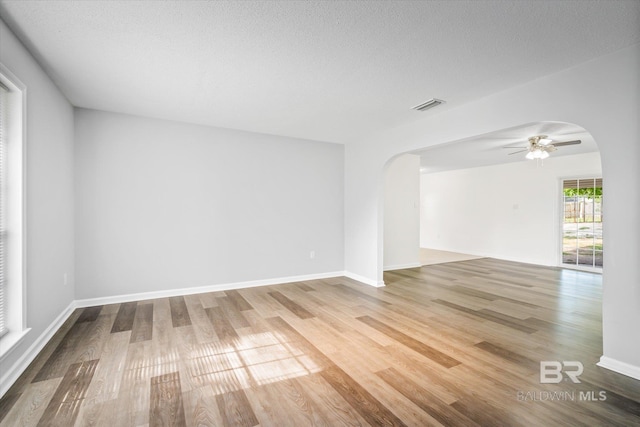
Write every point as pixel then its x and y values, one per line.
pixel 455 344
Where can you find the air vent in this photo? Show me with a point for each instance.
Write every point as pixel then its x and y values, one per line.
pixel 433 102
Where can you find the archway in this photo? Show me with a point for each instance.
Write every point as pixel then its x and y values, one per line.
pixel 531 190
pixel 536 212
pixel 482 198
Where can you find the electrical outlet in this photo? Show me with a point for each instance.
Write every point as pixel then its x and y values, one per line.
pixel 312 254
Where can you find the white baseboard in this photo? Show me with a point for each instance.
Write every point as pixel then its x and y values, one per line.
pixel 402 266
pixel 363 279
pixel 12 373
pixel 90 302
pixel 620 367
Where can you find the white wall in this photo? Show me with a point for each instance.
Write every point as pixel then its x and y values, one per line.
pixel 402 213
pixel 509 211
pixel 164 205
pixel 613 80
pixel 49 196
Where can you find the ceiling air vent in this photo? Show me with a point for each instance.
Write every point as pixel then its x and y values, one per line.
pixel 433 102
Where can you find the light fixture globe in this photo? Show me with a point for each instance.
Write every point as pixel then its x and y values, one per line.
pixel 539 147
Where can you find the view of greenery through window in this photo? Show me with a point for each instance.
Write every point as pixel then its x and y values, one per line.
pixel 582 225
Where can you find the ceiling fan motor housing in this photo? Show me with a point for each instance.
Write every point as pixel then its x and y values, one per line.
pixel 541 143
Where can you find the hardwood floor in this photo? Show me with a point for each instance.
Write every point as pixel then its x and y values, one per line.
pixel 449 344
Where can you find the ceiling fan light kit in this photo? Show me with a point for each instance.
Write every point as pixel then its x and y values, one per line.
pixel 537 154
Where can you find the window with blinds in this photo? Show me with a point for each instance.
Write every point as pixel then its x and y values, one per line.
pixel 13 326
pixel 582 222
pixel 3 201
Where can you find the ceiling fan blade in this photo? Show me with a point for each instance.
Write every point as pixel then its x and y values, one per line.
pixel 521 151
pixel 560 144
pixel 513 147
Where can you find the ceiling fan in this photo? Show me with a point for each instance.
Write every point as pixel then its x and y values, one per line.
pixel 540 146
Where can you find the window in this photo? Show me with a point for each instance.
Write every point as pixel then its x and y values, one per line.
pixel 3 202
pixel 12 260
pixel 582 223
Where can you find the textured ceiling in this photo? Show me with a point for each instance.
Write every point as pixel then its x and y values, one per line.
pixel 331 71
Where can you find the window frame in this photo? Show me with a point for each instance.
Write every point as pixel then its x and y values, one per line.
pixel 15 214
pixel 561 213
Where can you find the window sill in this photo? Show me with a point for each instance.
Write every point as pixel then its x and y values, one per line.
pixel 10 341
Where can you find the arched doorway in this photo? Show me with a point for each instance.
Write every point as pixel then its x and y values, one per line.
pixel 488 201
pixel 483 197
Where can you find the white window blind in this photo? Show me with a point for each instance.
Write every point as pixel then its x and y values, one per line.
pixel 3 198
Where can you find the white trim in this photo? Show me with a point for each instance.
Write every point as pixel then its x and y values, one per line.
pixel 12 373
pixel 16 214
pixel 595 270
pixel 513 259
pixel 403 266
pixel 10 341
pixel 363 279
pixel 90 302
pixel 620 367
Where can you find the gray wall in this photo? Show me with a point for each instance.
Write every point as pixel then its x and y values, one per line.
pixel 164 205
pixel 49 194
pixel 402 213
